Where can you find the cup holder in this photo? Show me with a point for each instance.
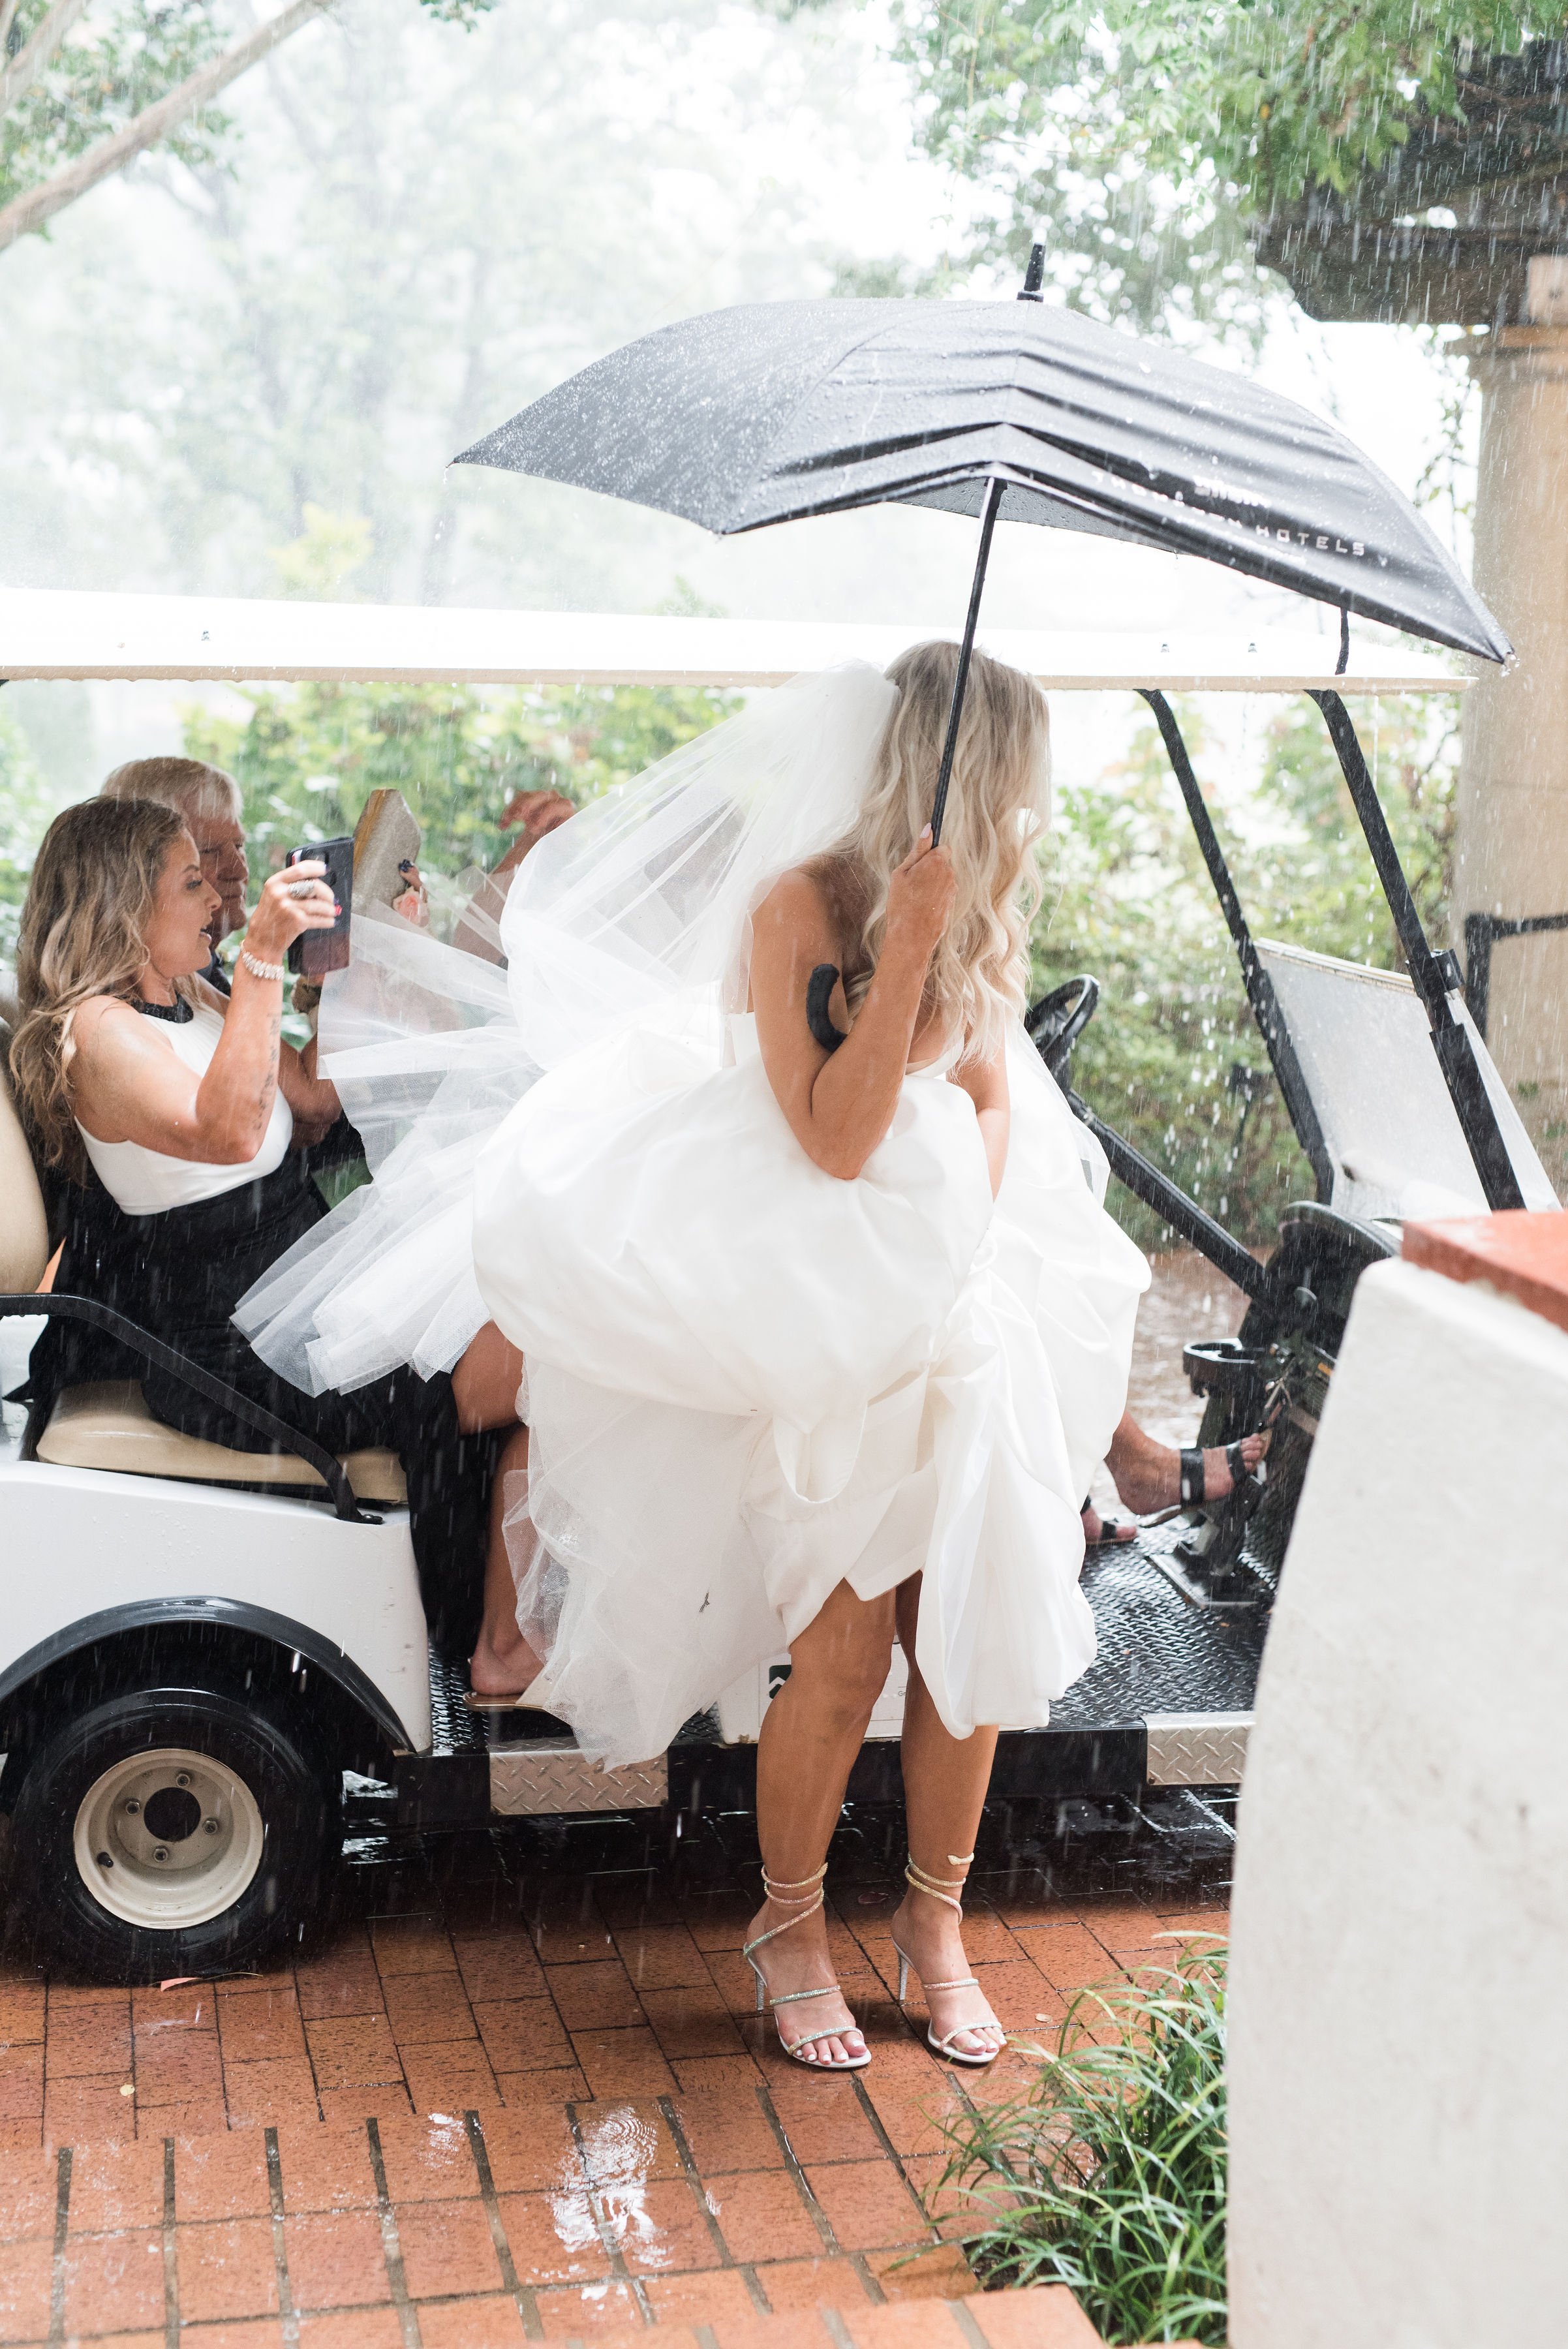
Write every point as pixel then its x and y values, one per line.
pixel 1220 1366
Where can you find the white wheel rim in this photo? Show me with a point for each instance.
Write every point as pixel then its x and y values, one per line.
pixel 194 1860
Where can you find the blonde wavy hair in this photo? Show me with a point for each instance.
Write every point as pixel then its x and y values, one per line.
pixel 82 934
pixel 999 803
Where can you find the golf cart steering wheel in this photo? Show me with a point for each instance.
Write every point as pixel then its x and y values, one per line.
pixel 1059 1018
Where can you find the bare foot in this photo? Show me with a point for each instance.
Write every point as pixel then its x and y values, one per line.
pixel 817 2030
pixel 1148 1474
pixel 502 1666
pixel 1105 1529
pixel 932 1938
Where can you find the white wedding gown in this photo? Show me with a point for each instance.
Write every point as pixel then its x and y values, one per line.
pixel 749 1381
pixel 746 1381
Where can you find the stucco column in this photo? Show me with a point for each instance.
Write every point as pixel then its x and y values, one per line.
pixel 1511 846
pixel 1397 2068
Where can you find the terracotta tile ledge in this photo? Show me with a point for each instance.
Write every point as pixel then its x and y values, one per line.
pixel 1524 1255
pixel 1041 2316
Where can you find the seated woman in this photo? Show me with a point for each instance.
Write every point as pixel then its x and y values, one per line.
pixel 174 1117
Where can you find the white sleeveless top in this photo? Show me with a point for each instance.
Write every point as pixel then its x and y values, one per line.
pixel 145 1182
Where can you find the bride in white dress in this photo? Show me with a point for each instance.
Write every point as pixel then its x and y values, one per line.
pixel 818 1348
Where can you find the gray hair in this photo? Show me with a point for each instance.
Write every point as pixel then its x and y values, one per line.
pixel 188 786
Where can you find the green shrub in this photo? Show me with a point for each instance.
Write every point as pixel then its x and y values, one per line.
pixel 1108 2173
pixel 308 756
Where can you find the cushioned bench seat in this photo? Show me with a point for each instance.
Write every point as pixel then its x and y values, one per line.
pixel 109 1425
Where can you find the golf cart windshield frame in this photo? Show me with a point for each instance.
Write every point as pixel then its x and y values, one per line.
pixel 1435 977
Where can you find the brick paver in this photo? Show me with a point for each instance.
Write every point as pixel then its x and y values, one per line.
pixel 506 2099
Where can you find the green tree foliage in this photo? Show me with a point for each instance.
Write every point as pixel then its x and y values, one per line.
pixel 119 60
pixel 1142 135
pixel 1054 107
pixel 307 756
pixel 1173 1060
pixel 73 78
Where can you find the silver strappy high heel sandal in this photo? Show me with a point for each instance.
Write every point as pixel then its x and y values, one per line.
pixel 942 1888
pixel 812 1897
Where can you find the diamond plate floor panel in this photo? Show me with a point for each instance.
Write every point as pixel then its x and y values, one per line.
pixel 1157 1653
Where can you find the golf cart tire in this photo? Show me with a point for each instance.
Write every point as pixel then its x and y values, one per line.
pixel 173 1830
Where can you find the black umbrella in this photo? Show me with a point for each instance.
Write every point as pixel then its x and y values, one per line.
pixel 777 410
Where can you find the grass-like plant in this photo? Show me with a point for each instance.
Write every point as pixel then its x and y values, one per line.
pixel 1108 2173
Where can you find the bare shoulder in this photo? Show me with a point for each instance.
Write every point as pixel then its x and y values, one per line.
pixel 105 1023
pixel 108 1034
pixel 796 902
pixel 823 897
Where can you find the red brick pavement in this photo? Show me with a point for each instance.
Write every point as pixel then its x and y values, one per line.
pixel 565 2122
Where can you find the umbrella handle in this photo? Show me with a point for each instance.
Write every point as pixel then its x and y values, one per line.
pixel 1033 279
pixel 819 989
pixel 988 514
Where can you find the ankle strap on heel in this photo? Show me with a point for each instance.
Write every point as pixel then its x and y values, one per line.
pixel 806 1897
pixel 940 1887
pixel 807 1886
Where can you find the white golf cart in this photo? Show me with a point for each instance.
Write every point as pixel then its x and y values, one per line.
pixel 199 1642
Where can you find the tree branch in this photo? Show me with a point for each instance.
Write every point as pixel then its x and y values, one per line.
pixel 17 78
pixel 31 210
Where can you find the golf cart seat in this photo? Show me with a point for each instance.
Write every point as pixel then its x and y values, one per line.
pixel 1393 1138
pixel 108 1425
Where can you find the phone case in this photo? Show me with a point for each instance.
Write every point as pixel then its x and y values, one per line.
pixel 317 952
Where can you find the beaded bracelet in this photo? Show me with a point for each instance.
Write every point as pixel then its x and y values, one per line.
pixel 260 969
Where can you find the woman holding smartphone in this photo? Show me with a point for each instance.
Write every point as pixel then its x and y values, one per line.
pixel 173 1119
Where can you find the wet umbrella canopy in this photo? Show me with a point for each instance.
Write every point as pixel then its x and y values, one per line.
pixel 773 411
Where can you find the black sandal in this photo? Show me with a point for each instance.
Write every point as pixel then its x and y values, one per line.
pixel 1246 1484
pixel 1111 1531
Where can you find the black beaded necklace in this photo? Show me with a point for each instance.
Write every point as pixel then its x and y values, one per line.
pixel 178 1012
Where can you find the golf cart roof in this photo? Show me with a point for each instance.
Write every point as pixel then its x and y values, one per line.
pixel 66 634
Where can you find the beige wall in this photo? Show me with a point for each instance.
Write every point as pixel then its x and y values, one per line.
pixel 1512 839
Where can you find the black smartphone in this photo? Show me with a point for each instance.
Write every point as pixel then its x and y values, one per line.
pixel 316 952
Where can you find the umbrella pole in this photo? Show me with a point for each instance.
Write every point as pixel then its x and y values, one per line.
pixel 988 514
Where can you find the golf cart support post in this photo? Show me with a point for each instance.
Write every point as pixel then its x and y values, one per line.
pixel 1259 987
pixel 1435 977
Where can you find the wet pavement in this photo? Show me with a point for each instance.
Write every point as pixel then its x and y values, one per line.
pixel 514 2089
